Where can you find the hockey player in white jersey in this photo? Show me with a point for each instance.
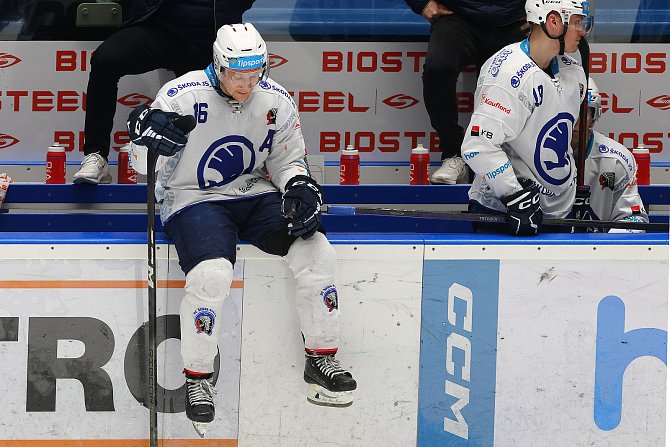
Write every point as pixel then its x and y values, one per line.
pixel 526 103
pixel 212 190
pixel 610 171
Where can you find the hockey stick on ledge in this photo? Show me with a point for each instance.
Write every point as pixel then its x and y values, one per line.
pixel 342 210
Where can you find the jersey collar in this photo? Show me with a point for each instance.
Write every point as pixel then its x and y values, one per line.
pixel 553 65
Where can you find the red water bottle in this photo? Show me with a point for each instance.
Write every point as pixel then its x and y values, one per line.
pixel 55 164
pixel 350 166
pixel 643 161
pixel 419 166
pixel 127 174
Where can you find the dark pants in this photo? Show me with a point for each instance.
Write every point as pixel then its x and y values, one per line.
pixel 133 50
pixel 211 230
pixel 454 44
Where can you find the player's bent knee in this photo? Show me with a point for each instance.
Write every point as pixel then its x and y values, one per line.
pixel 314 253
pixel 210 280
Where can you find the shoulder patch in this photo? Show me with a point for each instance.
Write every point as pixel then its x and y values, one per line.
pixel 606 180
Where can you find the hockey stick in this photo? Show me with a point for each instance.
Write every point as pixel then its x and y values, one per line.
pixel 151 284
pixel 186 124
pixel 341 210
pixel 583 194
pixel 585 52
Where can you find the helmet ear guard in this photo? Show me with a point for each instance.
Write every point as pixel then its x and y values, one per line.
pixel 240 47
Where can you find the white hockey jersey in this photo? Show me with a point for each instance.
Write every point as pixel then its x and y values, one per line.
pixel 611 172
pixel 231 147
pixel 521 128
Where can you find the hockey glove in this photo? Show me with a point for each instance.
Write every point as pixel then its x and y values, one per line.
pixel 301 204
pixel 156 130
pixel 524 214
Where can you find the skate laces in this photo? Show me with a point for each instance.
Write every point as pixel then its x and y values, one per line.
pixel 200 391
pixel 329 366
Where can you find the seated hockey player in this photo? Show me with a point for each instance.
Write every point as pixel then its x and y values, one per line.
pixel 610 171
pixel 518 140
pixel 212 189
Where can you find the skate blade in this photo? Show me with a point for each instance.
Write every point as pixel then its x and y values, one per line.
pixel 200 427
pixel 319 395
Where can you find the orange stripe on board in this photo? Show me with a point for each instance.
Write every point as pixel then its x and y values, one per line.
pixel 119 443
pixel 98 284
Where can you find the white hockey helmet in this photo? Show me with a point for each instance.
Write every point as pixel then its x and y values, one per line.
pixel 240 47
pixel 537 11
pixel 593 99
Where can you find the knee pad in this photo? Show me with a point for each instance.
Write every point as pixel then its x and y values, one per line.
pixel 314 253
pixel 210 280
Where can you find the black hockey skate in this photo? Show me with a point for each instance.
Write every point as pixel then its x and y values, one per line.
pixel 329 384
pixel 199 401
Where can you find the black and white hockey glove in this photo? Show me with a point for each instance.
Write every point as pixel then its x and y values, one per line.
pixel 163 133
pixel 301 204
pixel 524 214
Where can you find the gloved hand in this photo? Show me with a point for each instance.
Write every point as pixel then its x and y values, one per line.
pixel 524 214
pixel 156 130
pixel 301 204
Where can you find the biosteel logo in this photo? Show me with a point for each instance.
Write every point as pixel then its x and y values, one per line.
pixel 276 60
pixel 661 102
pixel 7 60
pixel 135 99
pixel 7 141
pixel 400 101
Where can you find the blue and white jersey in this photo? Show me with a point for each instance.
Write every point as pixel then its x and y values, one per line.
pixel 611 172
pixel 231 147
pixel 522 127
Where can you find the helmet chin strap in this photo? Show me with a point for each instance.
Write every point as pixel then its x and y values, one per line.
pixel 561 38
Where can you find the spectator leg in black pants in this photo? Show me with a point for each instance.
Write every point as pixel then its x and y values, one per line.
pixel 134 50
pixel 454 44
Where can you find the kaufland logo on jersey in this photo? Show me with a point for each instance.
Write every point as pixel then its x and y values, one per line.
pixel 7 141
pixel 7 60
pixel 246 63
pixel 485 100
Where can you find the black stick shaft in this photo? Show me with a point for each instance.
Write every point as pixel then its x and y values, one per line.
pixel 492 218
pixel 152 363
pixel 585 52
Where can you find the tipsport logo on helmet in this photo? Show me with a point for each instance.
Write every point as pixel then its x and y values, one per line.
pixel 551 159
pixel 246 63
